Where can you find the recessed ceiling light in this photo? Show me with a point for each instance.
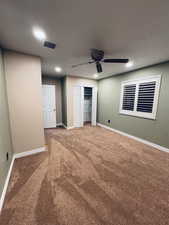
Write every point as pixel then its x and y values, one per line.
pixel 39 34
pixel 95 75
pixel 58 69
pixel 129 64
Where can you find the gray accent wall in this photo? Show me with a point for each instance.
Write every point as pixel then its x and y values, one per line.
pixel 5 136
pixel 156 131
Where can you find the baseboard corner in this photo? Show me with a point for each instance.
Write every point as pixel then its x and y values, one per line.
pixel 69 128
pixel 59 124
pixel 64 125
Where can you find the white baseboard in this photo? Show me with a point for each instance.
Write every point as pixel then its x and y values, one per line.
pixel 64 125
pixel 16 156
pixel 159 147
pixel 68 128
pixel 32 152
pixel 2 198
pixel 59 124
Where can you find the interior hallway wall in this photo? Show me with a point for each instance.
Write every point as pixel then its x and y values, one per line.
pixel 156 131
pixel 24 89
pixel 5 135
pixel 57 83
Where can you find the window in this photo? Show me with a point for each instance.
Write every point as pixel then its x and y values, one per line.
pixel 129 97
pixel 140 97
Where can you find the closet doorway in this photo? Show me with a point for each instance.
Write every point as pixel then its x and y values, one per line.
pixel 87 114
pixel 85 105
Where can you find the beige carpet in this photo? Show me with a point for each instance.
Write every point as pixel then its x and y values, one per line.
pixel 90 176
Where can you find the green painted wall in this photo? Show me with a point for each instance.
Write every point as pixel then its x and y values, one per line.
pixel 156 131
pixel 64 100
pixel 5 137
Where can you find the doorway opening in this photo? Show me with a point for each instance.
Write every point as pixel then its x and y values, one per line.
pixel 85 105
pixel 87 113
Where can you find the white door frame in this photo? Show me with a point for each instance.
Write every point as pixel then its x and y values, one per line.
pixel 78 101
pixel 94 104
pixel 52 111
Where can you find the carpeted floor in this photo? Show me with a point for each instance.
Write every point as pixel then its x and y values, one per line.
pixel 90 176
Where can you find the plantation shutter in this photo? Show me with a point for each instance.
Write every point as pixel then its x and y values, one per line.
pixel 129 97
pixel 140 97
pixel 146 94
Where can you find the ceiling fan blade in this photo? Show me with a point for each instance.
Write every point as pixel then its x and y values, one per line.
pixel 115 60
pixel 81 64
pixel 99 67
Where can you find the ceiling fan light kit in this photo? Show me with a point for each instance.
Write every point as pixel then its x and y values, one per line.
pixel 99 67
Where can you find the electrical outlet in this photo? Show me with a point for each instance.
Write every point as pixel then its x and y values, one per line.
pixel 7 156
pixel 108 121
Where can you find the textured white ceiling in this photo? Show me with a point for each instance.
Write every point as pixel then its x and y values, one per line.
pixel 136 29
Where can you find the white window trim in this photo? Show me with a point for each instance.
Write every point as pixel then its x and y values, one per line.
pixel 152 115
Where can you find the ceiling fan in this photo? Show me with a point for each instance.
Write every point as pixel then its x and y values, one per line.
pixel 98 57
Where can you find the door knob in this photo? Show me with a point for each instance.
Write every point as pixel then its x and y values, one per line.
pixel 54 110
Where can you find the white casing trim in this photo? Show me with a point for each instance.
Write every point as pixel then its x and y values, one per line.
pixel 16 156
pixel 159 147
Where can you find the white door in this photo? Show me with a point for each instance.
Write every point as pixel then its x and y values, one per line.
pixel 49 106
pixel 94 105
pixel 78 105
